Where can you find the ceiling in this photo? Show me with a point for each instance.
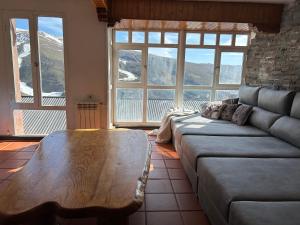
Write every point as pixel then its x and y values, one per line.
pixel 103 3
pixel 265 15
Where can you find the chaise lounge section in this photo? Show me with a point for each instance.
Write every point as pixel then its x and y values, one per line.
pixel 235 168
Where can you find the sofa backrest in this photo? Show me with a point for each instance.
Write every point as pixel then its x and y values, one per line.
pixel 274 111
pixel 287 129
pixel 276 101
pixel 295 111
pixel 263 119
pixel 248 95
pixel 269 105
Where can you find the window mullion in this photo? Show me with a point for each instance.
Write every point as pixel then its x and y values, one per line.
pixel 180 70
pixel 216 71
pixel 35 62
pixel 145 80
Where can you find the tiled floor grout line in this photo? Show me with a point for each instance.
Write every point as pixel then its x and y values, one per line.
pixel 175 197
pixel 145 210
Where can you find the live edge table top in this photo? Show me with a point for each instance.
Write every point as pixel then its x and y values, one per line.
pixel 81 173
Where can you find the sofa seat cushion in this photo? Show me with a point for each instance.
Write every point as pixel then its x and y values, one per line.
pixel 195 118
pixel 264 213
pixel 177 122
pixel 262 119
pixel 287 129
pixel 276 101
pixel 213 129
pixel 195 147
pixel 227 180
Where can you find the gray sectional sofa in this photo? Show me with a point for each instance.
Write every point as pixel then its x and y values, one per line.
pixel 246 175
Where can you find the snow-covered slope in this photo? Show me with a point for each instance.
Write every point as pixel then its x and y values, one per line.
pixel 51 50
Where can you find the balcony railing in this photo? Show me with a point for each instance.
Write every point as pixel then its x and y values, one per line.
pixel 131 110
pixel 42 122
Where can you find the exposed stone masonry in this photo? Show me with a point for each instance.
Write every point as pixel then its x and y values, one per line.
pixel 274 59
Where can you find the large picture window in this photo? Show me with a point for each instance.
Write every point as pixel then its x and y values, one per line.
pixel 158 70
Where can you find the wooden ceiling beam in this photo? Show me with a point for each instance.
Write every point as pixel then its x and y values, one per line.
pixel 266 17
pixel 102 9
pixel 101 3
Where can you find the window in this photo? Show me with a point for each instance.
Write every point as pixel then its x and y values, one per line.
pixel 122 36
pixel 194 99
pixel 162 66
pixel 154 37
pixel 231 67
pixel 37 57
pixel 199 66
pixel 129 104
pixel 193 39
pixel 130 65
pixel 171 38
pixel 158 73
pixel 210 39
pixel 51 54
pixel 226 39
pixel 241 40
pixel 226 94
pixel 161 72
pixel 138 37
pixel 159 101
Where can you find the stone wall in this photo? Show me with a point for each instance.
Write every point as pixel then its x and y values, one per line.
pixel 274 59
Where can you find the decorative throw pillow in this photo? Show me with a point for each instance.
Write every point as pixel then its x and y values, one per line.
pixel 213 110
pixel 204 106
pixel 242 114
pixel 216 111
pixel 228 111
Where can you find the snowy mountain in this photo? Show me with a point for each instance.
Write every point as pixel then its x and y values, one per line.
pixel 51 59
pixel 160 68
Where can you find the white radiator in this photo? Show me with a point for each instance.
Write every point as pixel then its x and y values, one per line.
pixel 89 115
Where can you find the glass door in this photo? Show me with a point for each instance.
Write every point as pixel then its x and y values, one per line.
pixel 38 72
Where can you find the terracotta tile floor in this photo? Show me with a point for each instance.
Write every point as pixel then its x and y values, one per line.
pixel 168 199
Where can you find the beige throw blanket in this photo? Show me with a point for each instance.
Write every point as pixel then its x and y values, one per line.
pixel 164 133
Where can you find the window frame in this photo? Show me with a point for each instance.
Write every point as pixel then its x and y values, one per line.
pixel 181 47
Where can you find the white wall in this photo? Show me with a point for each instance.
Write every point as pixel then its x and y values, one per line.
pixel 86 52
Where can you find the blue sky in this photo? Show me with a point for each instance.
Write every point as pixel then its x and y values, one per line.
pixel 196 55
pixel 50 25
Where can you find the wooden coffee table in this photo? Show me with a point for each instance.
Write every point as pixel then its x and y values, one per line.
pixel 78 174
